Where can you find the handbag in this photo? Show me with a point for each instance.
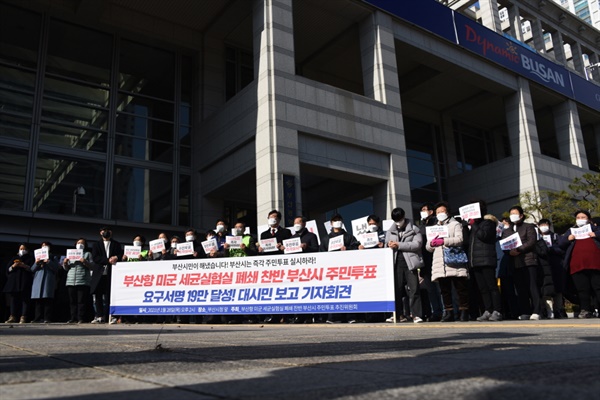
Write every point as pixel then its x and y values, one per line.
pixel 455 257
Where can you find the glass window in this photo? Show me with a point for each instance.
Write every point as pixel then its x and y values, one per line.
pixel 239 70
pixel 185 149
pixel 73 137
pixel 16 102
pixel 474 147
pixel 19 36
pixel 142 195
pixel 57 179
pixel 145 107
pixel 143 149
pixel 184 200
pixel 147 70
pixel 13 164
pixel 79 53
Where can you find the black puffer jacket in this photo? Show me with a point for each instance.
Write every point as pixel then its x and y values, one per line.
pixel 482 243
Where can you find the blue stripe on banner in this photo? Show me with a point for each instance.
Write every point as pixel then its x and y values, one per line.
pixel 291 308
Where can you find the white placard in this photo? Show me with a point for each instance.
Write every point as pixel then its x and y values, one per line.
pixel 582 233
pixel 387 224
pixel 336 243
pixel 132 251
pixel 434 231
pixel 41 254
pixel 157 246
pixel 185 249
pixel 470 211
pixel 357 281
pixel 548 240
pixel 311 226
pixel 360 226
pixel 208 246
pixel 74 254
pixel 234 242
pixel 269 245
pixel 293 245
pixel 511 242
pixel 369 240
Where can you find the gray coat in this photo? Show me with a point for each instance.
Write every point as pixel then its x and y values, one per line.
pixel 44 279
pixel 409 244
pixel 455 238
pixel 79 274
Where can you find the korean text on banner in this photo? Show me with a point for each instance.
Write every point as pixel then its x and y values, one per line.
pixel 352 281
pixel 511 242
pixel 292 246
pixel 41 254
pixel 209 245
pixel 336 243
pixel 234 242
pixel 582 233
pixel 434 231
pixel 74 254
pixel 269 245
pixel 369 240
pixel 132 251
pixel 185 249
pixel 470 211
pixel 157 246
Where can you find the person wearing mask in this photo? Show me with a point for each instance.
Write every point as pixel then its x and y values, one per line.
pixel 105 254
pixel 582 259
pixel 18 284
pixel 525 265
pixel 405 240
pixel 44 285
pixel 374 226
pixel 446 275
pixel 139 241
pixel 482 261
pixel 248 246
pixel 349 243
pixel 220 235
pixel 274 231
pixel 555 307
pixel 172 252
pixel 79 278
pixel 191 235
pixel 161 255
pixel 432 300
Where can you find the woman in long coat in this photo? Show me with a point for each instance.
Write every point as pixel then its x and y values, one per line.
pixel 44 285
pixel 18 285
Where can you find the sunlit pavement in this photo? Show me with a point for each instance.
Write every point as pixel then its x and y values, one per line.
pixel 548 359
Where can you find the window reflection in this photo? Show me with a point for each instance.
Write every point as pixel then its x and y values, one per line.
pixel 13 164
pixel 142 195
pixel 19 36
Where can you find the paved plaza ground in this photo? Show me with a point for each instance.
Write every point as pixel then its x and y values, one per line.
pixel 517 360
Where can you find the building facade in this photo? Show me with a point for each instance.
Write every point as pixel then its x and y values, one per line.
pixel 153 116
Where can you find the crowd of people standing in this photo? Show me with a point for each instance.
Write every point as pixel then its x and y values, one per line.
pixel 463 275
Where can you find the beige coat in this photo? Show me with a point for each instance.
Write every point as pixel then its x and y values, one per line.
pixel 455 238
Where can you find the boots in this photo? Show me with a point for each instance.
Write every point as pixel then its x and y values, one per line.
pixel 448 316
pixel 464 315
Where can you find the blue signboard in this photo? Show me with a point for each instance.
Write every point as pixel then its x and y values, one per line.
pixel 429 15
pixel 585 92
pixel 500 50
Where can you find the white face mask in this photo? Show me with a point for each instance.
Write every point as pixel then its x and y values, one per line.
pixel 238 231
pixel 424 214
pixel 190 238
pixel 46 248
pixel 515 218
pixel 272 221
pixel 174 245
pixel 165 241
pixel 544 228
pixel 79 246
pixel 137 243
pixel 220 228
pixel 581 222
pixel 442 216
pixel 22 252
pixel 336 224
pixel 373 228
pixel 297 227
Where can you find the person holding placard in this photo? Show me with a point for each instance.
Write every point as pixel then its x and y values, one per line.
pixel 137 252
pixel 308 240
pixel 197 251
pixel 248 245
pixel 405 240
pixel 221 237
pixel 339 240
pixel 105 254
pixel 274 235
pixel 43 290
pixel 446 275
pixel 482 261
pixel 78 264
pixel 431 300
pixel 525 264
pixel 159 248
pixel 373 228
pixel 18 284
pixel 582 259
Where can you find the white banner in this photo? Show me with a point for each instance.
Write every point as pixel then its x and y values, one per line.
pixel 234 242
pixel 434 231
pixel 369 240
pixel 132 251
pixel 157 245
pixel 41 254
pixel 312 227
pixel 208 246
pixel 470 211
pixel 351 281
pixel 336 243
pixel 185 249
pixel 292 246
pixel 268 245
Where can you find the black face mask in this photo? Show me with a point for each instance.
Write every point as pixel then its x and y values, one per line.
pixel 106 234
